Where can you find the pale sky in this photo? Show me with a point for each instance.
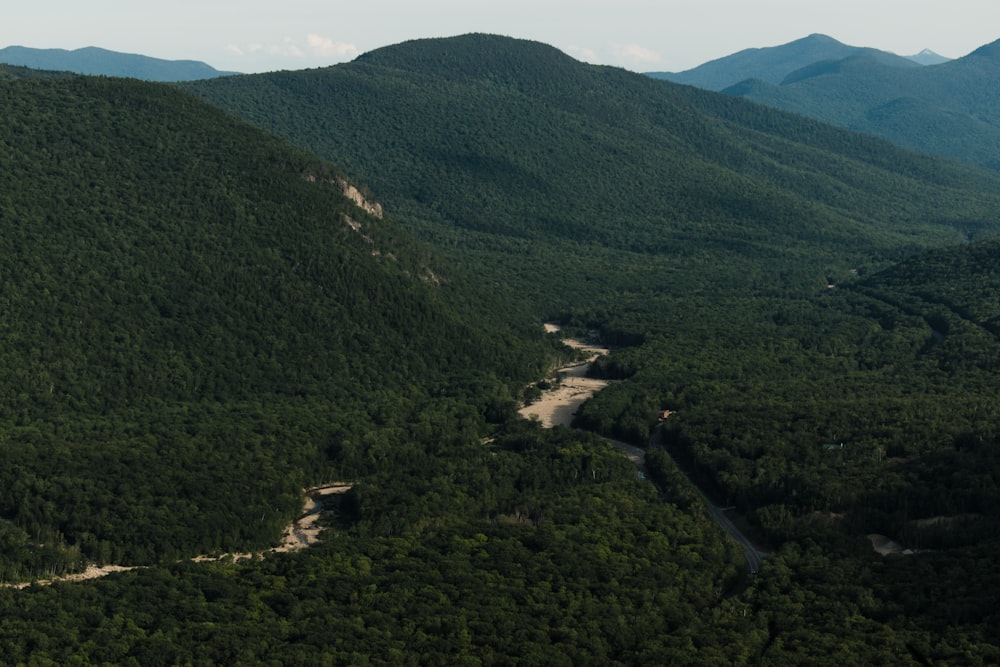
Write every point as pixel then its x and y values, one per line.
pixel 640 35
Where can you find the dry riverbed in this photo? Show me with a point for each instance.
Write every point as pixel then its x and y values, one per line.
pixel 301 533
pixel 304 532
pixel 571 387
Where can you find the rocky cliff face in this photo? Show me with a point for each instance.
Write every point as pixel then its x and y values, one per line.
pixel 352 193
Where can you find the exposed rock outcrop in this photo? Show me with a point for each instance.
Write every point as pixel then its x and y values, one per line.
pixel 352 193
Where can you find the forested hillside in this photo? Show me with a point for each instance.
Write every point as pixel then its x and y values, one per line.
pixel 197 323
pixel 772 64
pixel 513 157
pixel 733 254
pixel 948 109
pixel 201 325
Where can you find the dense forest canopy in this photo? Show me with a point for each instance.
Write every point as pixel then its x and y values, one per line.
pixel 734 250
pixel 529 163
pixel 182 292
pixel 200 325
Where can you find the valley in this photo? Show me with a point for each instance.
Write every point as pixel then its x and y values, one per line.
pixel 199 322
pixel 570 389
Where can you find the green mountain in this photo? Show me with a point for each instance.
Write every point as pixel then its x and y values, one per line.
pixel 198 324
pixel 948 109
pixel 722 244
pixel 517 160
pixel 195 318
pixel 749 267
pixel 773 64
pixel 96 61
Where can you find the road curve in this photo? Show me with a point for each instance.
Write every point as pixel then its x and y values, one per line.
pixel 755 558
pixel 637 456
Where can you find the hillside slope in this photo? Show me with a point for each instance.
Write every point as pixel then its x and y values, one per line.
pixel 948 109
pixel 773 64
pixel 511 156
pixel 718 241
pixel 194 317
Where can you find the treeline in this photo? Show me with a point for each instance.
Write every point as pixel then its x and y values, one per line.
pixel 18 72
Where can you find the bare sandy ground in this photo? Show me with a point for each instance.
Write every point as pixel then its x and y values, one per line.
pixel 303 532
pixel 558 405
pixel 92 572
pixel 885 545
pixel 299 534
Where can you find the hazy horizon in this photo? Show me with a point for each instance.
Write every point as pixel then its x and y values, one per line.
pixel 259 35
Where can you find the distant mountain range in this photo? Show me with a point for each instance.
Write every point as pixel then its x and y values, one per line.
pixel 951 108
pixel 97 61
pixel 773 64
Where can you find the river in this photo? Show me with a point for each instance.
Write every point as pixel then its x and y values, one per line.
pixel 558 406
pixel 302 532
pixel 570 387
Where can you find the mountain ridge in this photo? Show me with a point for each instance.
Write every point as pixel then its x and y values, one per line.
pixel 94 60
pixel 478 58
pixel 773 64
pixel 952 110
pixel 990 50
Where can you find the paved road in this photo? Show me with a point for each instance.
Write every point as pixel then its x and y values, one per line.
pixel 754 558
pixel 638 456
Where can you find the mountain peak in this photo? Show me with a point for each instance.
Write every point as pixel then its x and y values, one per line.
pixel 928 57
pixel 455 52
pixel 772 64
pixel 477 56
pixel 819 38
